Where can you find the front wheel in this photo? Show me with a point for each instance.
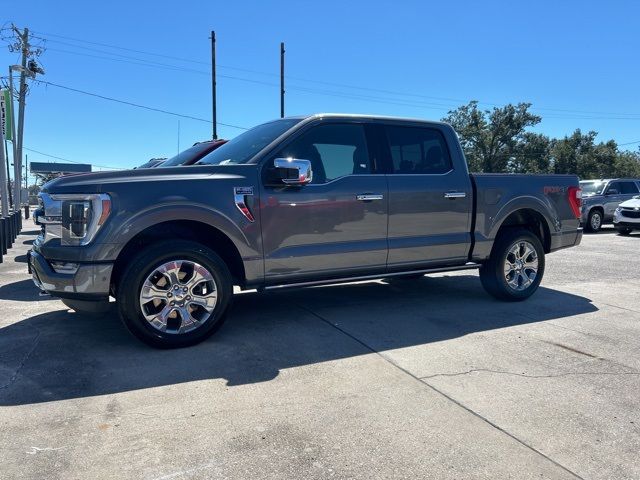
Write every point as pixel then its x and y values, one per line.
pixel 516 266
pixel 623 230
pixel 594 221
pixel 174 294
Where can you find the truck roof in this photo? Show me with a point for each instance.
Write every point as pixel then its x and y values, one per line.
pixel 352 116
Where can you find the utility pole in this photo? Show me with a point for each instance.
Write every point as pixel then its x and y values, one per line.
pixel 213 85
pixel 22 93
pixel 281 79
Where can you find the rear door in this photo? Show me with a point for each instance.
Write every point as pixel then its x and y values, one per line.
pixel 337 224
pixel 430 201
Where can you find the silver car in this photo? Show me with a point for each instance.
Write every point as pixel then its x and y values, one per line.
pixel 601 198
pixel 627 216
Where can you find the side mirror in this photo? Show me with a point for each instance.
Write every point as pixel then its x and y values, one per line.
pixel 612 191
pixel 293 171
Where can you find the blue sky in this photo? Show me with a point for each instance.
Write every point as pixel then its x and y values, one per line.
pixel 577 62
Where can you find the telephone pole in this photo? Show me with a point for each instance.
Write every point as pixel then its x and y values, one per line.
pixel 213 85
pixel 22 93
pixel 281 79
pixel 28 67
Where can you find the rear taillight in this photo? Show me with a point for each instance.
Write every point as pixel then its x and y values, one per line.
pixel 575 200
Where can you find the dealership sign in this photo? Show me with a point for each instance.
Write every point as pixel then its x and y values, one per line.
pixel 5 114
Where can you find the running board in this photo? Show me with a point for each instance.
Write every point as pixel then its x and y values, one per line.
pixel 468 266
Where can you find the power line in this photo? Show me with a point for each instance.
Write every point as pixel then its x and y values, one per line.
pixel 137 105
pixel 621 116
pixel 120 48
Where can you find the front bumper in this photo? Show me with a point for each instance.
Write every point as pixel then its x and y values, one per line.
pixel 90 282
pixel 620 220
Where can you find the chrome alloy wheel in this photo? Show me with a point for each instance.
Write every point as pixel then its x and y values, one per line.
pixel 521 266
pixel 178 296
pixel 596 221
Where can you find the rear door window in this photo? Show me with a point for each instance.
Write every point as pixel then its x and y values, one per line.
pixel 628 188
pixel 417 150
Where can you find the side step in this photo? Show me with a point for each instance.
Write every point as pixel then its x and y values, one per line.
pixel 467 266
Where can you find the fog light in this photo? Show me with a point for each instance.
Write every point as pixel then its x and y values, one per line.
pixel 65 267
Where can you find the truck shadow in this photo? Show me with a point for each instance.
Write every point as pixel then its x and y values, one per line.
pixel 22 291
pixel 61 355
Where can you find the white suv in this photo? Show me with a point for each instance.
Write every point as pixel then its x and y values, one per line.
pixel 627 216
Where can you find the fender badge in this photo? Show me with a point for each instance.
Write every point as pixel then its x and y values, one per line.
pixel 240 199
pixel 243 190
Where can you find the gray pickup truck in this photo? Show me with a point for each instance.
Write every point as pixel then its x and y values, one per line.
pixel 294 202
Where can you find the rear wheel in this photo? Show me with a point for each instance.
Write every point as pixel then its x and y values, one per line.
pixel 174 294
pixel 516 266
pixel 594 222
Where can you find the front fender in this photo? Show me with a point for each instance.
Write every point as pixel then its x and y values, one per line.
pixel 244 235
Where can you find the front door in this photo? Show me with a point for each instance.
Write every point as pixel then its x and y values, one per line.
pixel 616 193
pixel 430 201
pixel 337 224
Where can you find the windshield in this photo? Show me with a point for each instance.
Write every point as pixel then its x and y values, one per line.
pixel 242 148
pixel 188 154
pixel 592 188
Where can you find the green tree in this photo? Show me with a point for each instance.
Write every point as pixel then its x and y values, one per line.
pixel 575 154
pixel 532 154
pixel 627 164
pixel 489 137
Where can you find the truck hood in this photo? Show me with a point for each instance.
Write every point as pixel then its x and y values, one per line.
pixel 98 182
pixel 633 203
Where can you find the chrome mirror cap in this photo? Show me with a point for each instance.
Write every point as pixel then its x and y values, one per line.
pixel 298 170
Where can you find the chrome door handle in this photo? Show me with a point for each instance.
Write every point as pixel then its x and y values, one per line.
pixel 455 195
pixel 367 197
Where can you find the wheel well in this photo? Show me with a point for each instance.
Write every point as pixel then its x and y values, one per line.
pixel 531 220
pixel 186 230
pixel 600 209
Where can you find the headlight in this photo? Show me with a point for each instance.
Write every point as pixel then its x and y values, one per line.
pixel 74 218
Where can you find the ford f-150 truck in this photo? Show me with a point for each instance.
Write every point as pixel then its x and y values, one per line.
pixel 298 201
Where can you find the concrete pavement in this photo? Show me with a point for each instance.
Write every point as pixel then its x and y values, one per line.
pixel 428 378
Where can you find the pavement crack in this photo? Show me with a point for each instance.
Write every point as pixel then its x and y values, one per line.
pixel 504 372
pixel 16 374
pixel 621 308
pixel 438 391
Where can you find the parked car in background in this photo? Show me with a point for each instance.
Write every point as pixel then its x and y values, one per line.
pixel 601 198
pixel 626 217
pixel 193 154
pixel 295 202
pixel 153 163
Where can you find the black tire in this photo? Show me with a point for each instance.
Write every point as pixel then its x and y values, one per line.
pixel 144 264
pixel 594 221
pixel 623 230
pixel 492 273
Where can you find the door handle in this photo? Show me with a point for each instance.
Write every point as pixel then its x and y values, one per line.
pixel 367 197
pixel 453 195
